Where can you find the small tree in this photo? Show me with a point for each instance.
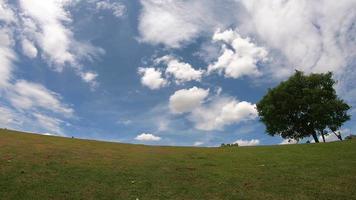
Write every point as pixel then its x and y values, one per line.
pixel 303 106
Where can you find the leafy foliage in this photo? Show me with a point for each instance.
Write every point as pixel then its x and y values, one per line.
pixel 303 106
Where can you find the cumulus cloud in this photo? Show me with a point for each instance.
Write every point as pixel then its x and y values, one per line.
pixel 90 77
pixel 239 60
pixel 213 113
pixel 181 71
pixel 222 111
pixel 117 8
pixel 253 142
pixel 152 78
pixel 186 100
pixel 147 137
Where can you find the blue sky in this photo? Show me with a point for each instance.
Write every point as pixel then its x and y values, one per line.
pixel 164 72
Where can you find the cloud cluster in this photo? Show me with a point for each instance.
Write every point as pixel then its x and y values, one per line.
pixel 239 57
pixel 186 100
pixel 26 95
pixel 7 56
pixel 298 34
pixel 152 78
pixel 44 29
pixel 216 113
pixel 180 72
pixel 222 111
pixel 174 23
pixel 117 8
pixel 24 103
pixel 33 106
pixel 309 36
pixel 147 137
pixel 313 36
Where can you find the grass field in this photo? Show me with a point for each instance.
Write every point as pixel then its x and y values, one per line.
pixel 44 167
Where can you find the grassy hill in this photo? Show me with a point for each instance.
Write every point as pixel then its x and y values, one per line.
pixel 44 167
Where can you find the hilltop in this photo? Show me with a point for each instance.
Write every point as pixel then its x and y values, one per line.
pixel 46 167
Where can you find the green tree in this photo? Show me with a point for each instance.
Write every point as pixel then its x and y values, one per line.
pixel 303 106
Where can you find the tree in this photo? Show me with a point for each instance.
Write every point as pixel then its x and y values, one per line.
pixel 303 106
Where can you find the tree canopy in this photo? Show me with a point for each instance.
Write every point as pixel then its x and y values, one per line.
pixel 303 106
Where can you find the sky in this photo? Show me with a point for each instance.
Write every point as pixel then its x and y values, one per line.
pixel 165 72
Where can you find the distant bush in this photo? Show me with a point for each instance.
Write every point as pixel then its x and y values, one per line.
pixel 229 145
pixel 350 137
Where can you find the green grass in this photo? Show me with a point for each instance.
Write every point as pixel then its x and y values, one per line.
pixel 44 167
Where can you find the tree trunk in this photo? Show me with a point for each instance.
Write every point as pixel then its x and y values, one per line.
pixel 322 135
pixel 338 135
pixel 315 138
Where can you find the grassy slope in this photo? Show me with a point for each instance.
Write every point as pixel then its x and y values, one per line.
pixel 44 167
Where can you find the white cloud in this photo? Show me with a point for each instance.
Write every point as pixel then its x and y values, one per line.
pixel 54 38
pixel 222 111
pixel 288 141
pixel 7 56
pixel 152 78
pixel 310 36
pixel 313 36
pixel 51 134
pixel 118 9
pixel 198 143
pixel 186 100
pixel 29 48
pixel 174 23
pixel 239 60
pixel 23 102
pixel 124 122
pixel 49 123
pixel 89 77
pixel 45 25
pixel 8 118
pixel 181 71
pixel 147 137
pixel 32 121
pixel 253 142
pixel 26 96
pixel 6 13
pixel 162 124
pixel 213 113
